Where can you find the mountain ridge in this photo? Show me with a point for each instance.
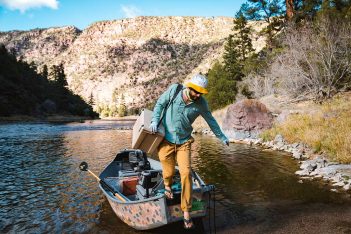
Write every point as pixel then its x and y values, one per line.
pixel 127 61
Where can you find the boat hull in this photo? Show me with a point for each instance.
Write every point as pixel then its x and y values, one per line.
pixel 153 212
pixel 142 215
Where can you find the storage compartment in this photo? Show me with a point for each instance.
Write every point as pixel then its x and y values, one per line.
pixel 143 138
pixel 128 185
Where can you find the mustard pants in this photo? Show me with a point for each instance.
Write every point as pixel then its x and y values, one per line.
pixel 170 153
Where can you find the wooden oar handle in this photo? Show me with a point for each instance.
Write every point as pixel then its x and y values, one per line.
pixel 98 179
pixel 109 188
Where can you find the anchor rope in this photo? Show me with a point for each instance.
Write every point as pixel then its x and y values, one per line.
pixel 213 211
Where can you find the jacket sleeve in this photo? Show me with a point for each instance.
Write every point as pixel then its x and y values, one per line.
pixel 211 121
pixel 162 103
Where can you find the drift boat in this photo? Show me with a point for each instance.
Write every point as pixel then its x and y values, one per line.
pixel 133 185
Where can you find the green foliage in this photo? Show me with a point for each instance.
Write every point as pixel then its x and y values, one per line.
pixel 222 89
pixel 335 9
pixel 245 91
pixel 270 11
pixel 313 9
pixel 91 100
pixel 306 10
pixel 58 75
pixel 242 39
pixel 24 91
pixel 122 110
pixel 231 63
pixel 45 72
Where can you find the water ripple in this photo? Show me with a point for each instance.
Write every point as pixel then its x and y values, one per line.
pixel 43 190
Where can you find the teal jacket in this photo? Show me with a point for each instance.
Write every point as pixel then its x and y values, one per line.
pixel 180 116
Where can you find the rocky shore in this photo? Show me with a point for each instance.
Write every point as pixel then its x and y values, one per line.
pixel 312 165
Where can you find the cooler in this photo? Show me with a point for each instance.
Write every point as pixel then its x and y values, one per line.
pixel 143 139
pixel 128 186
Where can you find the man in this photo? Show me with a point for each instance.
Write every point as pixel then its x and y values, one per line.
pixel 187 105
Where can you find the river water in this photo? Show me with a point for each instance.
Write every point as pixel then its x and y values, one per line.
pixel 43 191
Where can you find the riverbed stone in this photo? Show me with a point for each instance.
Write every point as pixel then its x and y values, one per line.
pixel 302 172
pixel 246 119
pixel 296 154
pixel 339 184
pixel 346 186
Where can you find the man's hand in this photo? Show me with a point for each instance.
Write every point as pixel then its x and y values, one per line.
pixel 226 142
pixel 153 127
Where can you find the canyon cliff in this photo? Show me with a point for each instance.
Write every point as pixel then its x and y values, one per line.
pixel 128 61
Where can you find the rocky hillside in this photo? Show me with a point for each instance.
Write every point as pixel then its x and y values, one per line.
pixel 129 61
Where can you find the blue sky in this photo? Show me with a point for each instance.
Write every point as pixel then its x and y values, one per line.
pixel 29 14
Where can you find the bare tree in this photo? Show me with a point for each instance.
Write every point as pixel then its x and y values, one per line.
pixel 261 84
pixel 317 61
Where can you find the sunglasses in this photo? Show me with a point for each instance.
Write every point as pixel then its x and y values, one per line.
pixel 195 91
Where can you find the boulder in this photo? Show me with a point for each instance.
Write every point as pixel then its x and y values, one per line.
pixel 246 119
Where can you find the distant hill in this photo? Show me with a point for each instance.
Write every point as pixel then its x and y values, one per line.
pixel 129 61
pixel 24 92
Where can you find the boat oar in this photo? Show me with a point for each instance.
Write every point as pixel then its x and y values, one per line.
pixel 84 167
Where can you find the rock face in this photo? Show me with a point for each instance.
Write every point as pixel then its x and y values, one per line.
pixel 246 119
pixel 129 61
pixel 41 46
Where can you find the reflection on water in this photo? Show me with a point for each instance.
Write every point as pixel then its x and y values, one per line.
pixel 42 189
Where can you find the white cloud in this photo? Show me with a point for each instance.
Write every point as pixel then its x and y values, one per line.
pixel 23 5
pixel 130 11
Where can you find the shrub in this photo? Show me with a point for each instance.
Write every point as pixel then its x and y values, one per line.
pixel 326 131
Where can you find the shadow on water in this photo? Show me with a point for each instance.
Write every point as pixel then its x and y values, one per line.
pixel 43 191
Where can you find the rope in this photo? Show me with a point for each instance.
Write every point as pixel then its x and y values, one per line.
pixel 209 211
pixel 213 211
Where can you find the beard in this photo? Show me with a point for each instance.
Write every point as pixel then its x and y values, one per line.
pixel 193 97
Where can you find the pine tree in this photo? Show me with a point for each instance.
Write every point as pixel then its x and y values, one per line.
pixel 231 64
pixel 242 39
pixel 222 89
pixel 271 11
pixel 91 101
pixel 58 75
pixel 33 66
pixel 45 72
pixel 306 9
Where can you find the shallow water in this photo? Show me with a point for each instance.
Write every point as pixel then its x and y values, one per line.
pixel 43 191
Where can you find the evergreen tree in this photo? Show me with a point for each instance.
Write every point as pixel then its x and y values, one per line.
pixel 13 52
pixel 58 74
pixel 242 39
pixel 231 63
pixel 335 8
pixel 271 11
pixel 23 91
pixel 33 66
pixel 222 89
pixel 45 72
pixel 306 9
pixel 91 101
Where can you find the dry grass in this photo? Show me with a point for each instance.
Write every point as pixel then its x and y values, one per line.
pixel 326 131
pixel 200 124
